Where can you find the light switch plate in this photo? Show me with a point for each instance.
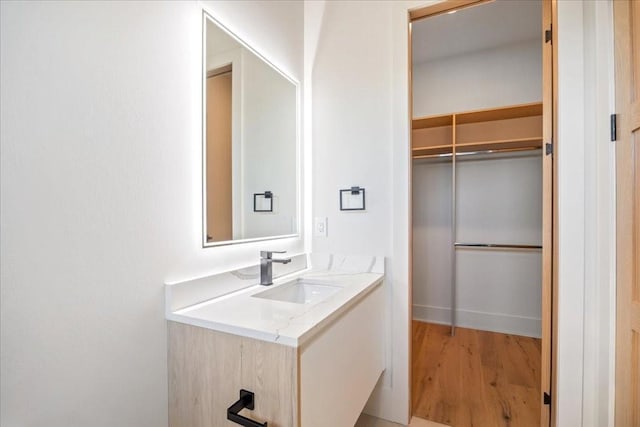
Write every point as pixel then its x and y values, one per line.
pixel 320 227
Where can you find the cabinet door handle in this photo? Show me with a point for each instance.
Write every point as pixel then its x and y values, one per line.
pixel 246 401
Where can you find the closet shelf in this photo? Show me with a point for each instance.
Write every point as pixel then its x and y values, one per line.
pixel 502 113
pixel 433 150
pixel 432 121
pixel 471 147
pixel 476 116
pixel 515 127
pixel 532 143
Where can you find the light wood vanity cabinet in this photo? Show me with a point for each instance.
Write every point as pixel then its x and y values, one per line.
pixel 208 368
pixel 324 382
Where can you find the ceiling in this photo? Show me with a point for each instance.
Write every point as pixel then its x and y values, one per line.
pixel 487 26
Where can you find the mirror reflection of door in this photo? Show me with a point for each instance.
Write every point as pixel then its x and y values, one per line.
pixel 219 181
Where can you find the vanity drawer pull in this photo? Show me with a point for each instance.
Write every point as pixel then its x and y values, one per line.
pixel 246 401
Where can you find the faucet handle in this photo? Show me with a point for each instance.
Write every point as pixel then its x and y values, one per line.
pixel 267 254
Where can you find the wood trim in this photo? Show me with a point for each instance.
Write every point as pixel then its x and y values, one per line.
pixel 498 130
pixel 435 149
pixel 432 137
pixel 501 113
pixel 442 7
pixel 221 70
pixel 505 139
pixel 410 209
pixel 499 144
pixel 555 220
pixel 547 217
pixel 432 121
pixel 477 116
pixel 627 69
pixel 492 151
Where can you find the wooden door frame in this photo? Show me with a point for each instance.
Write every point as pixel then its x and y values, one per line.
pixel 627 316
pixel 550 219
pixel 550 237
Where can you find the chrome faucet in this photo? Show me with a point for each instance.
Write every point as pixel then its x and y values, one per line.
pixel 266 266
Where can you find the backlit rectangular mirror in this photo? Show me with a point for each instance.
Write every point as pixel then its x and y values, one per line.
pixel 250 143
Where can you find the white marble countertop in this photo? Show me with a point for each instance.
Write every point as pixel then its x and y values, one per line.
pixel 287 323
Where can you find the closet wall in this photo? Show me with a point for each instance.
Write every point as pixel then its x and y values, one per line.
pixel 499 199
pixel 476 80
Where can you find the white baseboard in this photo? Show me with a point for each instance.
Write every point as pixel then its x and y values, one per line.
pixel 494 322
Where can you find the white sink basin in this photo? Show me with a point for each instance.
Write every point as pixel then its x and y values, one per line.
pixel 300 292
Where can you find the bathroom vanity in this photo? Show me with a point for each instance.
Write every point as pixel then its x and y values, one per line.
pixel 309 348
pixel 305 350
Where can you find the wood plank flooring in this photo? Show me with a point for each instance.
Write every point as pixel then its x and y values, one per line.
pixel 369 421
pixel 476 378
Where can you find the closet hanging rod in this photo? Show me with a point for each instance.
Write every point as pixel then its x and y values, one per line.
pixel 495 245
pixel 469 153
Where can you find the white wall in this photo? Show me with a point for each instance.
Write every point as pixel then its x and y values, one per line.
pixel 504 75
pixel 269 153
pixel 600 208
pixel 360 137
pixel 100 197
pixel 586 186
pixel 352 132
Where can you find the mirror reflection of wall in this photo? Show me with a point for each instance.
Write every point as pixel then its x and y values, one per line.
pixel 251 143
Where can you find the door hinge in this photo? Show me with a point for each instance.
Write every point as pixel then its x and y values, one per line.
pixel 614 127
pixel 546 398
pixel 548 35
pixel 548 148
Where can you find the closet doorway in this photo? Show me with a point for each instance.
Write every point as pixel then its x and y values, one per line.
pixel 481 82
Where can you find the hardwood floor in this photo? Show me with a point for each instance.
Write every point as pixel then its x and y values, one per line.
pixel 475 378
pixel 369 421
